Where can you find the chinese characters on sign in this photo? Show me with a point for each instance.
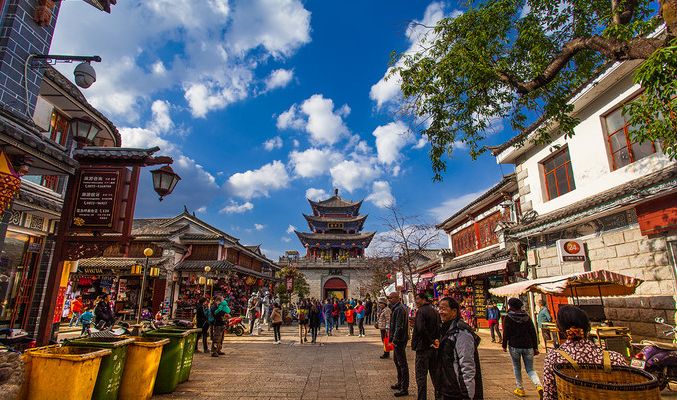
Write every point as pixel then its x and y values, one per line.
pixel 96 199
pixel 570 250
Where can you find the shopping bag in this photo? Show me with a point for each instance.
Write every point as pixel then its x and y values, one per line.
pixel 387 346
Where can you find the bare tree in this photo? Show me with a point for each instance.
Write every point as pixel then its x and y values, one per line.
pixel 404 239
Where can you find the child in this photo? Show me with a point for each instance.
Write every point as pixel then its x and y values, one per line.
pixel 350 319
pixel 86 321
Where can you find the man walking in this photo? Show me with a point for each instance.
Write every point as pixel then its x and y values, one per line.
pixel 369 311
pixel 493 316
pixel 219 310
pixel 543 316
pixel 459 375
pixel 426 331
pixel 76 309
pixel 327 310
pixel 399 336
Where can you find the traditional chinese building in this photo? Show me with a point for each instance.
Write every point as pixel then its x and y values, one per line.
pixel 336 230
pixel 334 264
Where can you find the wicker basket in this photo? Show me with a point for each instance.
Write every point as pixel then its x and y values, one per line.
pixel 593 381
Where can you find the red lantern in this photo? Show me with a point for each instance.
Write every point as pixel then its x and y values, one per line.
pixel 9 182
pixel 390 276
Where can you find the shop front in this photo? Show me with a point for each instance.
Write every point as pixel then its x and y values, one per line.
pixel 117 277
pixel 233 282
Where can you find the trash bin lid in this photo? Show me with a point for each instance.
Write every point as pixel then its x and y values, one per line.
pixel 70 353
pixel 168 333
pixel 149 341
pixel 105 342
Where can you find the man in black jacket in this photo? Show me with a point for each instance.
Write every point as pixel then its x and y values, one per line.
pixel 399 336
pixel 426 331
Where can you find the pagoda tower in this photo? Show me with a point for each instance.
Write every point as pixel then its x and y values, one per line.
pixel 336 230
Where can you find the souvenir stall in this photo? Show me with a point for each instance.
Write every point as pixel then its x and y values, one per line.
pixel 462 291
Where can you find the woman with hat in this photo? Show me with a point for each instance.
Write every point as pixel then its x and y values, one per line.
pixel 574 324
pixel 382 322
pixel 519 336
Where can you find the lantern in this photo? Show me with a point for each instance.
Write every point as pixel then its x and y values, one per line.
pixel 154 272
pixel 210 282
pixel 148 252
pixel 83 131
pixel 201 280
pixel 136 269
pixel 164 180
pixel 9 182
pixel 259 282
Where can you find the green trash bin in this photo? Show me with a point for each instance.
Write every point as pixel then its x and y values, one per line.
pixel 110 372
pixel 171 360
pixel 188 349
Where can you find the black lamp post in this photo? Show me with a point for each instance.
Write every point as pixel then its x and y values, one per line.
pixel 148 252
pixel 164 180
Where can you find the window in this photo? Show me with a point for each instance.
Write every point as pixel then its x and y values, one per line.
pixel 479 235
pixel 58 128
pixel 558 175
pixel 623 151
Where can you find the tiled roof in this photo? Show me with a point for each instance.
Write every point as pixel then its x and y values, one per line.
pixel 200 236
pixel 114 153
pixel 334 237
pixel 25 131
pixel 121 262
pixel 199 265
pixel 34 195
pixel 484 257
pixel 657 183
pixel 508 180
pixel 430 254
pixel 316 218
pixel 155 227
pixel 66 85
pixel 335 201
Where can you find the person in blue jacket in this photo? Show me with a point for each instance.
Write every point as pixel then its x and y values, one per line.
pixel 493 316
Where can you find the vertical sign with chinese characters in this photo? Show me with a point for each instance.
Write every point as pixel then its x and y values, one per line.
pixel 96 203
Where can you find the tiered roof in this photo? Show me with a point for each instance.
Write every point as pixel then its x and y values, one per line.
pixel 335 205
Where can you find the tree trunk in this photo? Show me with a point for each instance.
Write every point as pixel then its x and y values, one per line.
pixel 669 14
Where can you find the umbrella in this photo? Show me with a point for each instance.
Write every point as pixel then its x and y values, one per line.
pixel 580 284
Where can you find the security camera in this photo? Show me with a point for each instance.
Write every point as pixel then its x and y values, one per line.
pixel 85 75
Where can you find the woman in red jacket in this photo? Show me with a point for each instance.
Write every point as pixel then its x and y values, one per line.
pixel 350 319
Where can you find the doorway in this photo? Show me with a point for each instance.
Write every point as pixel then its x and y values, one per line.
pixel 335 287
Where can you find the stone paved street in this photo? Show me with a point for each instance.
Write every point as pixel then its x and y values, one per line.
pixel 339 367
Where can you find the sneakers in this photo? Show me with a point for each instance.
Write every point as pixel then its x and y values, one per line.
pixel 539 389
pixel 519 392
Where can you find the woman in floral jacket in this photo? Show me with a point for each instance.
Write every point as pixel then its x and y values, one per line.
pixel 574 323
pixel 383 322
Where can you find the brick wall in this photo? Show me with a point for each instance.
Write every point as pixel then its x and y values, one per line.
pixel 628 252
pixel 19 37
pixel 355 279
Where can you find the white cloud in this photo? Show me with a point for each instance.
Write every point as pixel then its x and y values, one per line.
pixel 453 204
pixel 291 228
pixel 421 143
pixel 273 143
pixel 351 175
pixel 259 227
pixel 279 26
pixel 390 139
pixel 259 182
pixel 213 64
pixel 313 162
pixel 290 119
pixel 381 195
pixel 387 89
pixel 236 208
pixel 279 78
pixel 324 125
pixel 296 143
pixel 201 210
pixel 316 195
pixel 162 122
pixel 286 239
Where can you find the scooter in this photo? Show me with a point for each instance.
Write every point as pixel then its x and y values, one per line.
pixel 16 340
pixel 235 326
pixel 659 358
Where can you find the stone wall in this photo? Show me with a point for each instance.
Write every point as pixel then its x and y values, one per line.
pixel 628 252
pixel 357 281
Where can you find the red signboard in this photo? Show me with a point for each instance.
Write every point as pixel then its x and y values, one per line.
pixel 60 297
pixel 657 216
pixel 290 283
pixel 97 202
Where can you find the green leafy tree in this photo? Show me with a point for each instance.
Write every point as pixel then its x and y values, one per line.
pixel 506 60
pixel 300 286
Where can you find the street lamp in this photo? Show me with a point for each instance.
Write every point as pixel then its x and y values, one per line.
pixel 148 252
pixel 164 180
pixel 83 131
pixel 204 281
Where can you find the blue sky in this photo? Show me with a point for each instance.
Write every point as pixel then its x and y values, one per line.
pixel 265 102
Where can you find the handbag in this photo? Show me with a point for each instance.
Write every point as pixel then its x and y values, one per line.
pixel 387 346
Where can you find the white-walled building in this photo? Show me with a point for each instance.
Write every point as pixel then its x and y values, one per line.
pixel 617 196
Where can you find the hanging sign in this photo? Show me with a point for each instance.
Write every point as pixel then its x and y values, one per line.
pixel 570 250
pixel 290 283
pixel 96 205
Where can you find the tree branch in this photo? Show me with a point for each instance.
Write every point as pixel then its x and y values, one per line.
pixel 614 49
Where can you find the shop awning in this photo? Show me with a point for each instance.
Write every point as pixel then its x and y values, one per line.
pixel 484 269
pixel 428 275
pixel 119 262
pixel 446 276
pixel 580 284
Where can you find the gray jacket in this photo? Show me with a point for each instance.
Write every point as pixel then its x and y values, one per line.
pixel 458 369
pixel 383 319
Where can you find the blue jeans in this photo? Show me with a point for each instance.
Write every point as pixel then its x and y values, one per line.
pixel 527 355
pixel 76 317
pixel 328 321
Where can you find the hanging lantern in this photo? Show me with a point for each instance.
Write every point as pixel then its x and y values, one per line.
pixel 154 272
pixel 210 282
pixel 83 131
pixel 9 182
pixel 259 282
pixel 164 180
pixel 201 280
pixel 136 269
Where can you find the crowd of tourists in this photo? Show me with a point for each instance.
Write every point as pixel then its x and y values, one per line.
pixel 446 347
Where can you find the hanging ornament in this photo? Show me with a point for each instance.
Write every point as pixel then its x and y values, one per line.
pixel 9 182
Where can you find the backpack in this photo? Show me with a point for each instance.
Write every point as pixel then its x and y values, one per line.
pixel 210 316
